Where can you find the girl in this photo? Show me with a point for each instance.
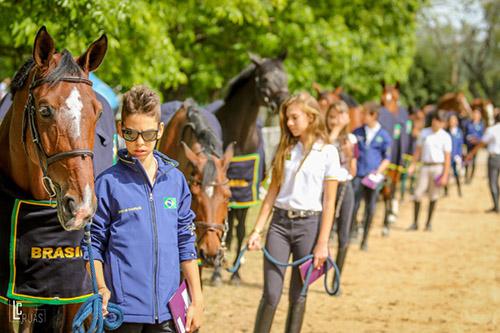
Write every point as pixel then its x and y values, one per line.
pixel 374 144
pixel 142 233
pixel 337 121
pixel 474 130
pixel 457 141
pixel 302 196
pixel 434 151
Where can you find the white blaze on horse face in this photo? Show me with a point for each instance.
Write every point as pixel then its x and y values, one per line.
pixel 73 112
pixel 209 191
pixel 388 97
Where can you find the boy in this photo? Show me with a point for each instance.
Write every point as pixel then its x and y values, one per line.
pixel 142 233
pixel 434 151
pixel 374 144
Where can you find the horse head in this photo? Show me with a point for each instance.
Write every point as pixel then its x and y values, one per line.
pixel 55 112
pixel 210 189
pixel 390 96
pixel 271 80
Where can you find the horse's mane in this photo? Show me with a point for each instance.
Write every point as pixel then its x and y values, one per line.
pixel 349 100
pixel 204 133
pixel 209 142
pixel 67 67
pixel 236 82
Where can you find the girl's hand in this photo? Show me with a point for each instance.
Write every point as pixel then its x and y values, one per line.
pixel 411 169
pixel 320 253
pixel 254 241
pixel 106 295
pixel 194 317
pixel 444 180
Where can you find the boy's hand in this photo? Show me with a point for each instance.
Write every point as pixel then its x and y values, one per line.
pixel 106 295
pixel 194 317
pixel 411 169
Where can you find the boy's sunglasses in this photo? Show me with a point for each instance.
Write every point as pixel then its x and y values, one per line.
pixel 132 134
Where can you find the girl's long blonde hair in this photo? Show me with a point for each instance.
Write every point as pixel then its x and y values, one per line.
pixel 316 130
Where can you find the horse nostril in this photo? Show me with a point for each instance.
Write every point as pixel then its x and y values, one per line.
pixel 69 205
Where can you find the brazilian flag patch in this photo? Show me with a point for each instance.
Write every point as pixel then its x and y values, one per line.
pixel 170 203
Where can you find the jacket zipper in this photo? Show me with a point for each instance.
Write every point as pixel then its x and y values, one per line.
pixel 155 269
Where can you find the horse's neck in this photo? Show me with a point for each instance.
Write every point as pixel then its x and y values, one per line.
pixel 238 118
pixel 14 162
pixel 392 106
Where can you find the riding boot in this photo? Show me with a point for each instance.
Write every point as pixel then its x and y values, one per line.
pixel 366 231
pixel 416 211
pixel 432 206
pixel 295 316
pixel 265 316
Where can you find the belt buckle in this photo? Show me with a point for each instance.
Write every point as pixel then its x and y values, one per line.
pixel 291 214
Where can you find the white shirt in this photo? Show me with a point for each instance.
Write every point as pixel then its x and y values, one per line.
pixel 303 189
pixel 492 138
pixel 344 174
pixel 434 145
pixel 371 132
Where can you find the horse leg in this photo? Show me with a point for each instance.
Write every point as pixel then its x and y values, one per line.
pixel 6 324
pixel 216 279
pixel 241 215
pixel 230 224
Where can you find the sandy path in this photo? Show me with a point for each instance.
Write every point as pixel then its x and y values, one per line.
pixel 444 281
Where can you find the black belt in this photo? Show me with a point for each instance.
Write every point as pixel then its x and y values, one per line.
pixel 432 163
pixel 296 214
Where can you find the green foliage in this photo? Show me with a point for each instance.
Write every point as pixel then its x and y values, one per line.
pixel 192 48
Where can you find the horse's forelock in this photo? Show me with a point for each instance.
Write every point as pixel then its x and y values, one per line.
pixel 67 66
pixel 209 172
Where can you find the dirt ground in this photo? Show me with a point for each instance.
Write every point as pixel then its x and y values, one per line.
pixel 447 280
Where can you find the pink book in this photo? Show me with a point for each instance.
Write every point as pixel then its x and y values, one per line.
pixel 178 305
pixel 437 180
pixel 372 180
pixel 315 274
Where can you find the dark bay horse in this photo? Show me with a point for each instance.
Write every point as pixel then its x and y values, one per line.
pixel 327 97
pixel 262 84
pixel 48 137
pixel 190 139
pixel 396 120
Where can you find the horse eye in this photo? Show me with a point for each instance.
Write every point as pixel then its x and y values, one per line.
pixel 46 111
pixel 99 115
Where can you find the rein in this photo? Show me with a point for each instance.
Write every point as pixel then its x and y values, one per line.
pixel 44 160
pixel 305 284
pixel 93 305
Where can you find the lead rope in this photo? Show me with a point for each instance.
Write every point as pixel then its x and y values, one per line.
pixel 93 305
pixel 305 285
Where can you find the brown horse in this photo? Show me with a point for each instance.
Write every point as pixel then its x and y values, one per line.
pixel 48 136
pixel 327 98
pixel 263 83
pixel 190 139
pixel 397 122
pixel 487 110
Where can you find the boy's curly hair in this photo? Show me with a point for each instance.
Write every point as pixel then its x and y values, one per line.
pixel 141 100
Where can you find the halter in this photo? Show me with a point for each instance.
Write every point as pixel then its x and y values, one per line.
pixel 45 160
pixel 265 92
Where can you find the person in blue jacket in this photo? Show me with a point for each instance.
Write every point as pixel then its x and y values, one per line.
pixel 457 141
pixel 143 233
pixel 374 145
pixel 474 130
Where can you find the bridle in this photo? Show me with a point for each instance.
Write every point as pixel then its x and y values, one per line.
pixel 29 119
pixel 266 92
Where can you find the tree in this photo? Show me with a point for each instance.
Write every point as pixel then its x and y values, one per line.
pixel 192 48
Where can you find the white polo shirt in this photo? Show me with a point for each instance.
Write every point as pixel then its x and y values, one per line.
pixel 303 189
pixel 434 145
pixel 492 138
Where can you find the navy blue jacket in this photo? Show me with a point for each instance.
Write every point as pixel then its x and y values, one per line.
pixel 370 156
pixel 142 233
pixel 475 131
pixel 399 128
pixel 457 141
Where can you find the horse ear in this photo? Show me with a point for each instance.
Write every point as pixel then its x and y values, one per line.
pixel 338 90
pixel 317 88
pixel 398 85
pixel 382 83
pixel 283 55
pixel 228 155
pixel 191 156
pixel 255 59
pixel 92 58
pixel 44 48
